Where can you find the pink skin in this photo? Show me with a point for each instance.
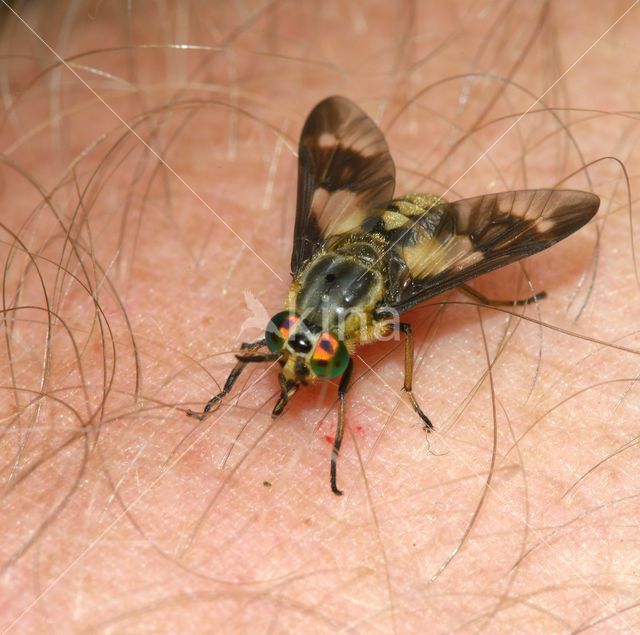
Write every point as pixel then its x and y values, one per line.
pixel 133 516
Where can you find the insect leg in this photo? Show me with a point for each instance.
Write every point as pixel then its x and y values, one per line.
pixel 337 442
pixel 252 346
pixel 408 373
pixel 476 295
pixel 232 378
pixel 287 390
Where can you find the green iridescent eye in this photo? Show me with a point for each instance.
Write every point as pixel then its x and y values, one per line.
pixel 330 357
pixel 279 328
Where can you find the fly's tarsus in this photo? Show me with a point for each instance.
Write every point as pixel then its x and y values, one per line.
pixel 241 364
pixel 337 442
pixel 408 374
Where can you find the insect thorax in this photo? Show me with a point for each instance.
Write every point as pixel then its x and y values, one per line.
pixel 341 286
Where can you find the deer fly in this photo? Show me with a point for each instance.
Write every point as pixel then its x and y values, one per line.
pixel 361 257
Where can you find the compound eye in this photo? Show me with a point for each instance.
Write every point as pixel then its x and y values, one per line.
pixel 279 329
pixel 330 357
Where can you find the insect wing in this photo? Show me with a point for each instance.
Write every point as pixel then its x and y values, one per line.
pixel 454 242
pixel 345 173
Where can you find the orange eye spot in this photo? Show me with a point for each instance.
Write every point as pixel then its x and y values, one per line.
pixel 325 348
pixel 279 329
pixel 330 357
pixel 287 325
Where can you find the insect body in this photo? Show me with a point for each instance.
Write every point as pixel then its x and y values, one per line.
pixel 361 258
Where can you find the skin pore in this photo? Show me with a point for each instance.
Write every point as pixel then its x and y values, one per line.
pixel 148 195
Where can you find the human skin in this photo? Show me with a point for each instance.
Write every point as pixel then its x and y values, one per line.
pixel 175 190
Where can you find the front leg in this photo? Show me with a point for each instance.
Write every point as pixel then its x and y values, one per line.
pixel 337 442
pixel 233 376
pixel 408 373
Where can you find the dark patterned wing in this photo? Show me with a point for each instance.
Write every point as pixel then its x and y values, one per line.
pixel 440 245
pixel 345 173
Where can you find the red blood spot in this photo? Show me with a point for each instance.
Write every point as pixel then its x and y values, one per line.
pixel 328 439
pixel 359 429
